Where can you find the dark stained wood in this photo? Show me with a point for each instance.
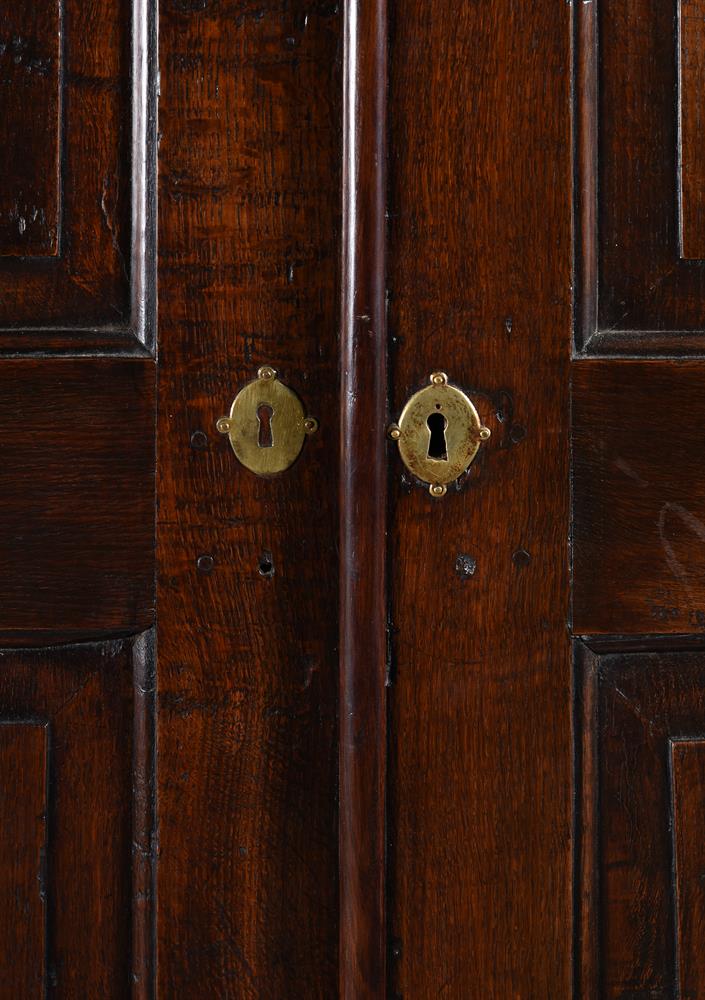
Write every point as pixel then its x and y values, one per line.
pixel 585 190
pixel 639 497
pixel 480 286
pixel 83 696
pixel 76 498
pixel 105 100
pixel 691 65
pixel 644 705
pixel 30 92
pixel 23 807
pixel 631 280
pixel 250 117
pixel 688 781
pixel 144 837
pixel 363 507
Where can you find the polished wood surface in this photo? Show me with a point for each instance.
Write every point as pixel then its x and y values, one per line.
pixel 363 507
pixel 88 284
pixel 634 292
pixel 248 568
pixel 639 497
pixel 80 699
pixel 691 65
pixel 688 781
pixel 76 498
pixel 30 91
pixel 642 899
pixel 23 831
pixel 479 286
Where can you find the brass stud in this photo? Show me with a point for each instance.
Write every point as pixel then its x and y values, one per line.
pixel 266 373
pixel 437 490
pixel 394 432
pixel 223 425
pixel 439 378
pixel 310 425
pixel 485 433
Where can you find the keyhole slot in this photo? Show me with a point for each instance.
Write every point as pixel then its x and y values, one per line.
pixel 437 446
pixel 264 418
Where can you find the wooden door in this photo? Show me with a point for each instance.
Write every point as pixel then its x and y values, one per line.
pixel 324 734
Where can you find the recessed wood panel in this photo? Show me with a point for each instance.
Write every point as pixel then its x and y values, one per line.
pixel 248 569
pixel 688 793
pixel 691 38
pixel 23 830
pixel 635 293
pixel 84 696
pixel 641 729
pixel 76 498
pixel 30 95
pixel 639 497
pixel 100 104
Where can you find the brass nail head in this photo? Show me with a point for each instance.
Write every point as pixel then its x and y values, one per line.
pixel 223 425
pixel 437 489
pixel 485 433
pixel 266 372
pixel 310 425
pixel 439 378
pixel 394 432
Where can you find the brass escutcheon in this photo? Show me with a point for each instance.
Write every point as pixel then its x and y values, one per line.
pixel 439 434
pixel 267 425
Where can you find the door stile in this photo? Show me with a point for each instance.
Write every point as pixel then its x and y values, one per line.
pixel 363 497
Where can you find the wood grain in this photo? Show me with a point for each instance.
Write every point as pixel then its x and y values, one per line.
pixel 363 507
pixel 639 483
pixel 90 283
pixel 23 829
pixel 83 695
pixel 76 498
pixel 691 67
pixel 645 704
pixel 479 286
pixel 30 93
pixel 688 791
pixel 247 733
pixel 633 285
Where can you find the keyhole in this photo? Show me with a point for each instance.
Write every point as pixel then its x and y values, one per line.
pixel 264 416
pixel 437 447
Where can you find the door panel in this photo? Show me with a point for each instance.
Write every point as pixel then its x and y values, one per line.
pixel 636 291
pixel 88 88
pixel 76 498
pixel 73 707
pixel 639 490
pixel 248 569
pixel 77 485
pixel 643 715
pixel 638 514
pixel 479 280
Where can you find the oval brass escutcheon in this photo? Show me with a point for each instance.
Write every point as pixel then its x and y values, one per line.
pixel 439 434
pixel 267 425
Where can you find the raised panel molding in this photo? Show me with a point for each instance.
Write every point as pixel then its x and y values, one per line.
pixel 640 727
pixel 77 212
pixel 76 819
pixel 635 294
